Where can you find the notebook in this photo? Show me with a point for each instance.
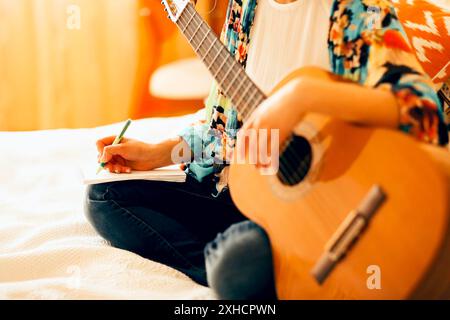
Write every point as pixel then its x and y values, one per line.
pixel 168 174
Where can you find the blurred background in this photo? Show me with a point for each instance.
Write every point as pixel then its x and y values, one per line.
pixel 84 63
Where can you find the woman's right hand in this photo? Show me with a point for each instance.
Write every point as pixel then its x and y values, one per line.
pixel 132 154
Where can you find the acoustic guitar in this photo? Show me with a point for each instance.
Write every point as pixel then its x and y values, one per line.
pixel 353 212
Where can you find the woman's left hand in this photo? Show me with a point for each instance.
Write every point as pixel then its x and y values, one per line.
pixel 279 113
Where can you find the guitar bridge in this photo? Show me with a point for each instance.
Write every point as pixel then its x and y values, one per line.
pixel 347 234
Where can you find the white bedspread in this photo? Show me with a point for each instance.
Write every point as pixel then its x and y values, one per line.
pixel 47 248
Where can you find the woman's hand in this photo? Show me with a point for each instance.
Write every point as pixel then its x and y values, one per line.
pixel 132 154
pixel 279 112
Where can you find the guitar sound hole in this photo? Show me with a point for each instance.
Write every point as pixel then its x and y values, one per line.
pixel 295 161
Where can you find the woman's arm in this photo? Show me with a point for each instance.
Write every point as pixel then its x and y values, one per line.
pixel 348 101
pixel 344 100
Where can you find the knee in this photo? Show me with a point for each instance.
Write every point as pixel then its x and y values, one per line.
pixel 97 192
pixel 239 263
pixel 97 204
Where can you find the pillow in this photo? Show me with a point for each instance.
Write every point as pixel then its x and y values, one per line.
pixel 427 24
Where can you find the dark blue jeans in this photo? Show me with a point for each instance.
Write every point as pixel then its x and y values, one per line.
pixel 172 223
pixel 239 263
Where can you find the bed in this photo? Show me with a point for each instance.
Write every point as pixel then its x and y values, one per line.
pixel 47 248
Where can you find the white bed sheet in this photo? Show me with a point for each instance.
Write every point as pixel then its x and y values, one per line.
pixel 47 248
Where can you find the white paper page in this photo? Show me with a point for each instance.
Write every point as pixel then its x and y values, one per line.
pixel 169 174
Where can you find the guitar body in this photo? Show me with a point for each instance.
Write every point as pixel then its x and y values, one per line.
pixel 404 252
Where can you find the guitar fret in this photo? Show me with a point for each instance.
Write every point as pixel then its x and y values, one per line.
pixel 215 57
pixel 238 102
pixel 187 23
pixel 238 86
pixel 203 40
pixel 220 67
pixel 209 49
pixel 195 32
pixel 231 81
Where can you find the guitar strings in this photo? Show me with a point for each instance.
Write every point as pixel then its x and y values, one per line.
pixel 285 161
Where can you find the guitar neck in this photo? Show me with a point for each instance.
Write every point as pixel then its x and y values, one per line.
pixel 228 73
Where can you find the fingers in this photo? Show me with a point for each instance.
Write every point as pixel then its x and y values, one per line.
pixel 110 151
pixel 117 168
pixel 258 143
pixel 102 143
pixel 114 162
pixel 112 155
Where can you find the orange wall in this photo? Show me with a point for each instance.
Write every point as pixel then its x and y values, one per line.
pixel 52 76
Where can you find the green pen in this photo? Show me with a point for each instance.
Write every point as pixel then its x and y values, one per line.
pixel 115 142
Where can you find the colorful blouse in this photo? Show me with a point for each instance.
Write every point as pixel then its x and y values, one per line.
pixel 366 43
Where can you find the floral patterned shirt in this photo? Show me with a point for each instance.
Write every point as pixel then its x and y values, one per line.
pixel 371 51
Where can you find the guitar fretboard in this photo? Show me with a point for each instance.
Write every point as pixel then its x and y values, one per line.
pixel 228 73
